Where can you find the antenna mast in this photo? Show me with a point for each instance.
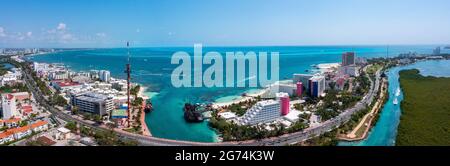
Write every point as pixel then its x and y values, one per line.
pixel 387 52
pixel 128 71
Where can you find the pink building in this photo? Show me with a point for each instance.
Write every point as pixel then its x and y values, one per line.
pixel 284 101
pixel 299 90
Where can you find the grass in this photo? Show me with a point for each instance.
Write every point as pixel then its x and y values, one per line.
pixel 362 129
pixel 425 110
pixel 373 69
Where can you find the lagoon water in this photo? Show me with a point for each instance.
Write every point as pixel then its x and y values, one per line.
pixel 152 68
pixel 385 130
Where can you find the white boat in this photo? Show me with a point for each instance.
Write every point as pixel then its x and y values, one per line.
pixel 395 101
pixel 397 93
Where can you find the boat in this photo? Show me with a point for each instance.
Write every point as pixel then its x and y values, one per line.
pixel 397 93
pixel 191 114
pixel 148 106
pixel 395 101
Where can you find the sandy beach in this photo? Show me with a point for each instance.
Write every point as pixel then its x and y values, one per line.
pixel 248 96
pixel 144 127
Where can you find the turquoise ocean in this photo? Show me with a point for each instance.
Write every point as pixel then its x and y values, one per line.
pixel 151 67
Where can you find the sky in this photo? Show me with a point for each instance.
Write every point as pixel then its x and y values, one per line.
pixel 148 23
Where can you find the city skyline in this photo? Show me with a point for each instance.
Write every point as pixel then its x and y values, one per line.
pixel 86 24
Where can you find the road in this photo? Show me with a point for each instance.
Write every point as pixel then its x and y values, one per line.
pixel 278 141
pixel 326 126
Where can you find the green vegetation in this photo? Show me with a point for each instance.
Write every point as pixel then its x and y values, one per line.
pixel 364 84
pixel 135 90
pixel 425 110
pixel 371 70
pixel 18 87
pixel 326 139
pixel 241 107
pixel 103 137
pixel 3 70
pixel 234 132
pixel 58 100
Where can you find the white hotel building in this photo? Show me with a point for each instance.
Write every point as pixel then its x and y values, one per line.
pixel 262 112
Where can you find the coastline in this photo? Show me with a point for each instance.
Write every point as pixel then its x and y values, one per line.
pixel 144 128
pixel 238 99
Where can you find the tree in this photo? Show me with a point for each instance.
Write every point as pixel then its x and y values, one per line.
pixel 298 106
pixel 71 126
pixel 135 90
pixel 97 118
pixel 75 110
pixel 23 123
pixel 111 126
pixel 58 100
pixel 332 85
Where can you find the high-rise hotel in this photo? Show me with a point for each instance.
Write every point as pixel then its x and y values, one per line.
pixel 348 58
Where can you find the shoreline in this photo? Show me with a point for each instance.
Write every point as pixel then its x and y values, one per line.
pixel 248 96
pixel 144 128
pixel 369 119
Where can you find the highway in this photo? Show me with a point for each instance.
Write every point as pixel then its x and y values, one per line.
pixel 277 141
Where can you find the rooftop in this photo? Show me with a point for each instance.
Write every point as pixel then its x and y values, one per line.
pixel 13 120
pixel 38 123
pixel 46 141
pixel 63 130
pixel 227 115
pixel 64 84
pixel 92 97
pixel 5 134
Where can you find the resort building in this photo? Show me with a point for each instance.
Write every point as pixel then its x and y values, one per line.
pixel 262 112
pixel 227 115
pixel 293 116
pixel 284 101
pixel 9 106
pixel 285 87
pixel 11 77
pixel 351 70
pixel 303 78
pixel 437 51
pixel 63 86
pixel 317 86
pixel 94 74
pixel 93 103
pixel 105 75
pixel 348 58
pixel 58 75
pixel 299 90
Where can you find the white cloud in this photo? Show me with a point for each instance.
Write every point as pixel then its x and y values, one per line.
pixel 61 27
pixel 29 34
pixel 101 34
pixel 20 36
pixel 66 37
pixel 60 34
pixel 2 32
